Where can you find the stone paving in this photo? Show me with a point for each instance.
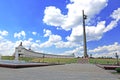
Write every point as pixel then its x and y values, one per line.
pixel 58 72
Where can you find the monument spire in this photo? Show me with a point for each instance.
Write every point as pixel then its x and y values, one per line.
pixel 20 44
pixel 84 35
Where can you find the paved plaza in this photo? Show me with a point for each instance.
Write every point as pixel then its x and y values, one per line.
pixel 58 72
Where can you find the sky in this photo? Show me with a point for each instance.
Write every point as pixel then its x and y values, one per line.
pixel 55 26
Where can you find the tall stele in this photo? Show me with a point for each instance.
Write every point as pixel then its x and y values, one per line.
pixel 84 35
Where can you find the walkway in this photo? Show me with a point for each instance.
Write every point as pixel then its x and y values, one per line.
pixel 58 72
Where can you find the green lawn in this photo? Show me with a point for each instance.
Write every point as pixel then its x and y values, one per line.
pixel 49 60
pixel 62 60
pixel 103 61
pixel 7 58
pixel 21 58
pixel 56 60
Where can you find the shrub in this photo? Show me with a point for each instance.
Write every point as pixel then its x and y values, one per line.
pixel 118 70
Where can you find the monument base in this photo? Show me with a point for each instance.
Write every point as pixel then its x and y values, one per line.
pixel 22 64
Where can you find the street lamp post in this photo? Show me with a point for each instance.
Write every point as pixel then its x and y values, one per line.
pixel 43 57
pixel 116 55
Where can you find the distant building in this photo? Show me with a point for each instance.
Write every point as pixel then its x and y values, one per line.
pixel 23 52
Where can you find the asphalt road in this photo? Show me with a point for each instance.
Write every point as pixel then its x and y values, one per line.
pixel 58 72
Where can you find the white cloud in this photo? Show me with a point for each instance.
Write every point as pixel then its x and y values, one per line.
pixel 56 40
pixel 6 46
pixel 115 15
pixel 3 33
pixel 106 50
pixel 54 17
pixel 77 51
pixel 37 41
pixel 47 33
pixel 62 44
pixel 52 39
pixel 94 32
pixel 73 19
pixel 30 39
pixel 20 34
pixel 34 33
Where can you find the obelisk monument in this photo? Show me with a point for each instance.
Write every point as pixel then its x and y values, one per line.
pixel 84 36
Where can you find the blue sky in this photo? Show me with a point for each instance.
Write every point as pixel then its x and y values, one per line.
pixel 55 26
